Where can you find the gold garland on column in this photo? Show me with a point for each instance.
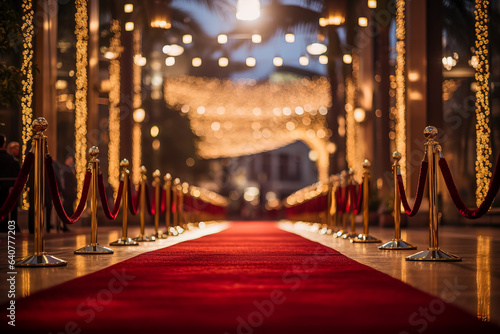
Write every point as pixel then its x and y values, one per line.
pixel 82 36
pixel 114 110
pixel 27 71
pixel 483 131
pixel 137 103
pixel 401 85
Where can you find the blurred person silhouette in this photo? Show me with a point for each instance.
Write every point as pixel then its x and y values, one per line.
pixel 13 149
pixel 9 169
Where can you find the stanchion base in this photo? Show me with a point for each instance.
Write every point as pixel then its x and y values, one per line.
pixel 124 242
pixel 365 238
pixel 397 245
pixel 433 255
pixel 43 260
pixel 339 234
pixel 143 238
pixel 349 235
pixel 160 235
pixel 94 249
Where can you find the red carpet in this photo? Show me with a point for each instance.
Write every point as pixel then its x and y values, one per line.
pixel 250 278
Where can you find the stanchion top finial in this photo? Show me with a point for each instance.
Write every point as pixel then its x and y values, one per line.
pixel 367 164
pixel 430 132
pixel 143 170
pixel 94 151
pixel 124 163
pixel 396 156
pixel 156 173
pixel 40 124
pixel 350 172
pixel 177 181
pixel 168 177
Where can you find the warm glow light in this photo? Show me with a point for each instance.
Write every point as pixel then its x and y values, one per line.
pixel 313 155
pixel 114 109
pixel 196 62
pixel 359 115
pixel 400 70
pixel 129 26
pixel 347 58
pixel 222 39
pixel 250 61
pixel 139 115
pixel 304 61
pixel 139 60
pixel 154 131
pixel 128 8
pixel 323 59
pixel 170 61
pixel 372 4
pixel 173 50
pixel 223 61
pixel 156 144
pixel 164 24
pixel 247 10
pixel 277 61
pixel 187 39
pixel 256 38
pixel 110 55
pixel 362 21
pixel 290 38
pixel 316 48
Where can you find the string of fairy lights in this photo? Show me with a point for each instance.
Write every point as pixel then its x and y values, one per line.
pixel 114 110
pixel 137 103
pixel 81 32
pixel 27 82
pixel 246 117
pixel 400 116
pixel 482 76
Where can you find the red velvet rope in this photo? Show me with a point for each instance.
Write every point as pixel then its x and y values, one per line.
pixel 133 202
pixel 150 208
pixel 457 200
pixel 356 199
pixel 420 190
pixel 17 189
pixel 163 205
pixel 111 215
pixel 56 199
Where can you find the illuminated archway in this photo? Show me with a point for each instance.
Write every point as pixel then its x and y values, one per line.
pixel 246 117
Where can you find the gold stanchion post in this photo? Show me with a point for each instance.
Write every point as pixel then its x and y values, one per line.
pixel 352 216
pixel 343 216
pixel 39 258
pixel 433 253
pixel 124 240
pixel 168 202
pixel 156 183
pixel 142 209
pixel 94 247
pixel 397 243
pixel 365 237
pixel 175 194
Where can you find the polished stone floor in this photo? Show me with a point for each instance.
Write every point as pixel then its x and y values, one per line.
pixel 473 284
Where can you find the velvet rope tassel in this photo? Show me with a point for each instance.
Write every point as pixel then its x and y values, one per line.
pixel 56 199
pixel 133 201
pixel 420 190
pixel 17 189
pixel 111 215
pixel 457 200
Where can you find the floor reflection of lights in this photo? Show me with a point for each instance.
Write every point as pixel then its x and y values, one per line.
pixel 63 245
pixel 477 276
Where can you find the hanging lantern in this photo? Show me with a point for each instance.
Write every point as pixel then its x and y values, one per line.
pixel 333 13
pixel 160 15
